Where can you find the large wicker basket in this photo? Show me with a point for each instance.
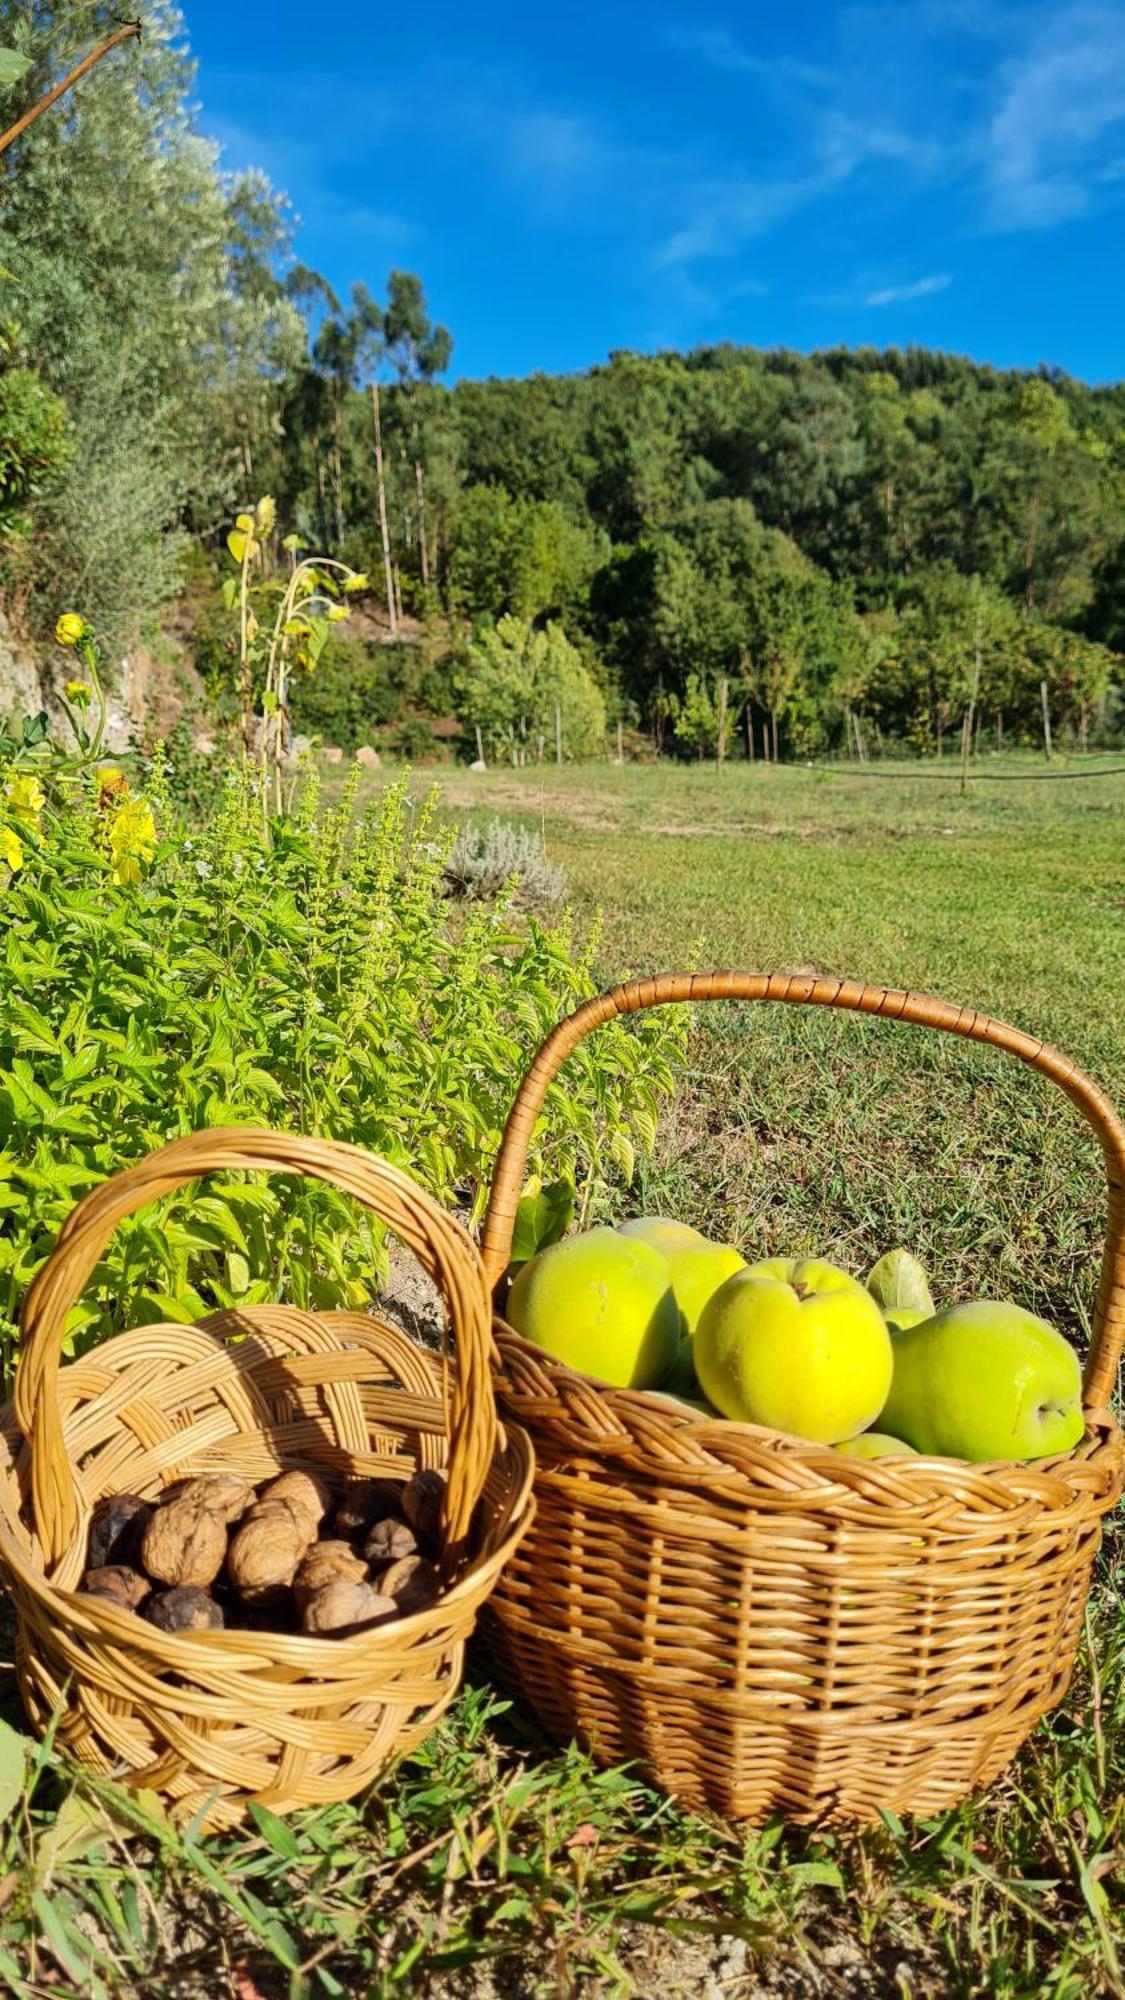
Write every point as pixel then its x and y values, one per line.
pixel 214 1720
pixel 762 1624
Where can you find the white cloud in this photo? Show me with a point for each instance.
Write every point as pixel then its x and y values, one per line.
pixel 921 288
pixel 1059 101
pixel 721 50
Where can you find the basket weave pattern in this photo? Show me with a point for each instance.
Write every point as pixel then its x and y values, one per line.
pixel 215 1719
pixel 762 1624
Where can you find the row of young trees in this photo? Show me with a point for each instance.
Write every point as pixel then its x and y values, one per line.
pixel 805 540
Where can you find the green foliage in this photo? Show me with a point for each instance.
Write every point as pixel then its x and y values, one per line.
pixel 318 985
pixel 359 688
pixel 34 445
pixel 521 684
pixel 486 861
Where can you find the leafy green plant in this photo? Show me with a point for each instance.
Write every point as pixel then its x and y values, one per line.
pixel 485 861
pixel 323 983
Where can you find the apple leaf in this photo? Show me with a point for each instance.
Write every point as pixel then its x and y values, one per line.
pixel 544 1214
pixel 12 67
pixel 899 1280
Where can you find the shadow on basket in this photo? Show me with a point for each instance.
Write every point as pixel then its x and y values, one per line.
pixel 213 1719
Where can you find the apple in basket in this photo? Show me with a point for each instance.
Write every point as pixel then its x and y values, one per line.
pixel 985 1380
pixel 697 1266
pixel 603 1303
pixel 797 1345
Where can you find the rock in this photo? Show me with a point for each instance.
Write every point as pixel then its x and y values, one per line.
pixel 333 754
pixel 300 746
pixel 478 764
pixel 368 756
pixel 204 746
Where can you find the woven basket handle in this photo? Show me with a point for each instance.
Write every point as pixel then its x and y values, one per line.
pixel 920 1008
pixel 445 1250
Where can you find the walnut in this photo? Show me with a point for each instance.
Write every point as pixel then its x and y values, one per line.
pixel 184 1543
pixel 364 1503
pixel 186 1610
pixel 226 1494
pixel 324 1563
pixel 117 1530
pixel 342 1607
pixel 266 1550
pixel 120 1584
pixel 422 1499
pixel 292 1512
pixel 305 1491
pixel 413 1583
pixel 389 1541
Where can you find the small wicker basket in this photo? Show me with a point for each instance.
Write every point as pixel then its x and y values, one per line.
pixel 764 1625
pixel 213 1720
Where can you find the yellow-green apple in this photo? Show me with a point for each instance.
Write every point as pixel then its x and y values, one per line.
pixel 797 1345
pixel 698 1265
pixel 875 1444
pixel 985 1380
pixel 680 1379
pixel 603 1304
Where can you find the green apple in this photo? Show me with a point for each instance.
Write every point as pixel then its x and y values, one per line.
pixel 875 1444
pixel 899 1317
pixel 985 1380
pixel 603 1304
pixel 661 1232
pixel 795 1344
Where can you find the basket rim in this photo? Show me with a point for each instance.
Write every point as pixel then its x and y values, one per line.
pixel 642 1419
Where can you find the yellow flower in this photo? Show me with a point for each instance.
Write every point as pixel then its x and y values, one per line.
pixel 70 629
pixel 251 626
pixel 292 543
pixel 356 581
pixel 11 849
pixel 245 522
pixel 132 839
pixel 79 693
pixel 267 515
pixel 336 612
pixel 26 797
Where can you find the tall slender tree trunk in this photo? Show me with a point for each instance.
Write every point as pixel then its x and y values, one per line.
pixel 773 732
pixel 419 487
pixel 337 468
pixel 321 506
pixel 384 533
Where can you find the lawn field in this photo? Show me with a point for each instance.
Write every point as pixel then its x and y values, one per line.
pixel 491 1864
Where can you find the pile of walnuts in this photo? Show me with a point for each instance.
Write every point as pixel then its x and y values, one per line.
pixel 291 1556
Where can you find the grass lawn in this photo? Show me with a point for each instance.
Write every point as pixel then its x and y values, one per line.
pixel 490 1864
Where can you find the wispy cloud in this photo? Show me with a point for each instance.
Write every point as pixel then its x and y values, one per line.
pixel 921 288
pixel 722 50
pixel 1059 101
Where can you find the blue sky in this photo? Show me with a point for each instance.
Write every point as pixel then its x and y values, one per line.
pixel 584 177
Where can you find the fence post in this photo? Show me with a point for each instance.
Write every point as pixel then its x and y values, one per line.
pixel 1046 720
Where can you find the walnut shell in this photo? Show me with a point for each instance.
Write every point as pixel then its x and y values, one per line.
pixel 413 1583
pixel 422 1499
pixel 117 1530
pixel 342 1607
pixel 390 1540
pixel 325 1563
pixel 305 1491
pixel 184 1544
pixel 226 1494
pixel 282 1510
pixel 364 1503
pixel 186 1610
pixel 266 1550
pixel 117 1582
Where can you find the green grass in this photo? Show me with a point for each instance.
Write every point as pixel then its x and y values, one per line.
pixel 493 1863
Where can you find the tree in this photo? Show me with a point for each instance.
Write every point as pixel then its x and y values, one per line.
pixel 523 689
pixel 420 352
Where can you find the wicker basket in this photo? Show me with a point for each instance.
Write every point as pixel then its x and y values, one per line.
pixel 762 1624
pixel 213 1720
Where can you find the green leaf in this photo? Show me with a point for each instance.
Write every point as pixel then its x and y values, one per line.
pixel 12 67
pixel 899 1280
pixel 275 1832
pixel 14 1751
pixel 542 1217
